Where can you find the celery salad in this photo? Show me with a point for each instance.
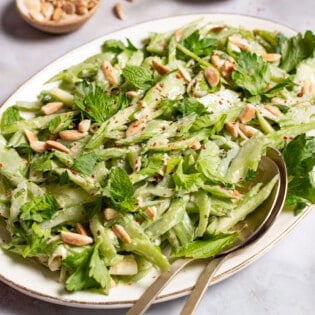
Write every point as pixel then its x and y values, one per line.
pixel 138 156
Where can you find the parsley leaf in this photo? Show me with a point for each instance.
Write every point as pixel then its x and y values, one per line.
pixel 186 182
pixel 199 46
pixel 117 46
pixel 96 103
pixel 37 241
pixel 296 49
pixel 98 269
pixel 299 156
pixel 88 270
pixel 138 76
pixel 85 163
pixel 39 209
pixel 252 73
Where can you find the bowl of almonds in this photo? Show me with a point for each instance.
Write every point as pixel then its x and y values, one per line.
pixel 57 16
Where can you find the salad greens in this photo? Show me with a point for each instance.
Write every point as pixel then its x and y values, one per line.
pixel 137 156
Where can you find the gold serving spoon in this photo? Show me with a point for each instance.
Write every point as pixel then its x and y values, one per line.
pixel 252 228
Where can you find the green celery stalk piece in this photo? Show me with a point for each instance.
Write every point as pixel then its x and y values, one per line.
pixel 247 158
pixel 204 205
pixel 37 123
pixel 248 204
pixel 174 214
pixel 12 166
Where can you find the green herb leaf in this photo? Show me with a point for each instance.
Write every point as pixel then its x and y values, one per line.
pixel 39 209
pixel 98 269
pixel 138 76
pixel 189 106
pixel 85 163
pixel 296 49
pixel 186 182
pixel 120 190
pixel 42 163
pixel 88 270
pixel 119 184
pixel 96 103
pixel 252 73
pixel 199 46
pixel 79 265
pixel 299 156
pixel 206 248
pixel 37 241
pixel 10 115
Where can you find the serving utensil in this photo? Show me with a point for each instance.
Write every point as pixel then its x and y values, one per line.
pixel 34 17
pixel 252 228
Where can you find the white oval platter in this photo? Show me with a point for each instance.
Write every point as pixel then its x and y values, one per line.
pixel 34 280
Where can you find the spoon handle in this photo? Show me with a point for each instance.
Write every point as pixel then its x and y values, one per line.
pixel 202 283
pixel 151 293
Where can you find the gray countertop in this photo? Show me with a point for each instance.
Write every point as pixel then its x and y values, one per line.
pixel 283 280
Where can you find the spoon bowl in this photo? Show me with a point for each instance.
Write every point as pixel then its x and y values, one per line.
pixel 250 230
pixel 64 25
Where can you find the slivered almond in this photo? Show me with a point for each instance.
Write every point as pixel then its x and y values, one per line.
pixel 184 73
pixel 51 144
pixel 217 61
pixel 47 10
pixel 119 11
pixel 160 68
pixel 80 229
pixel 248 131
pixel 57 15
pixel 38 146
pixel 307 87
pixel 150 212
pixel 240 42
pixel 110 213
pixel 269 57
pixel 131 94
pixel 31 136
pixel 75 238
pixel 212 76
pixel 135 127
pixel 232 128
pixel 274 110
pixel 228 68
pixel 142 104
pixel 51 108
pixel 248 113
pixel 72 134
pixel 195 145
pixel 121 233
pixel 109 72
pixel 84 125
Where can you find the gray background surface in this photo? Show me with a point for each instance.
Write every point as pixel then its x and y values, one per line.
pixel 282 281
